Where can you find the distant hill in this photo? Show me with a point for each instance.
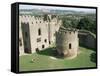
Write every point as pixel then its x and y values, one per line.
pixel 51 11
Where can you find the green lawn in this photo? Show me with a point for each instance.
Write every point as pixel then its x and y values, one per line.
pixel 43 60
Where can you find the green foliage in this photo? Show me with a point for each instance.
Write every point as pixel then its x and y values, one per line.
pixel 69 23
pixel 53 16
pixel 87 24
pixel 46 17
pixel 93 57
pixel 84 23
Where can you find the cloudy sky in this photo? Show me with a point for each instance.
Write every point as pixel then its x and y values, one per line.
pixel 59 8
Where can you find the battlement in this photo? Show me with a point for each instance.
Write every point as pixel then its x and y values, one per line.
pixel 30 16
pixel 36 17
pixel 63 30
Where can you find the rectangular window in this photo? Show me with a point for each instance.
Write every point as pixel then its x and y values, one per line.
pixel 38 39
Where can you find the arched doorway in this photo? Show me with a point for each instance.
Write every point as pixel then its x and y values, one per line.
pixel 37 50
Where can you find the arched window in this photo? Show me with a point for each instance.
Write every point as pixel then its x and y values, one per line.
pixel 43 46
pixel 39 31
pixel 70 46
pixel 45 40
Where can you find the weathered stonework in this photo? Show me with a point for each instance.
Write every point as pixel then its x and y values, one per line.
pixel 67 42
pixel 87 39
pixel 35 33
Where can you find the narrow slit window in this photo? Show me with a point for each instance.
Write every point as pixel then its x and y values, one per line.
pixel 70 46
pixel 39 31
pixel 20 42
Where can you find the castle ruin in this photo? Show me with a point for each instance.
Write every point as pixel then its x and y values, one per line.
pixel 40 32
pixel 37 32
pixel 67 42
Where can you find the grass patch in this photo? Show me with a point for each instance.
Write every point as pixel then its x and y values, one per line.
pixel 42 60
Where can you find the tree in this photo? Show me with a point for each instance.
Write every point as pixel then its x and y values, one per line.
pixel 87 24
pixel 46 17
pixel 69 23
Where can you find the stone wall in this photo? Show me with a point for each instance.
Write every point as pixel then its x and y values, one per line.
pixel 21 44
pixel 87 39
pixel 37 41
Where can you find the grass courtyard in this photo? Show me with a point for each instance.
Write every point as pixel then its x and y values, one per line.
pixel 47 59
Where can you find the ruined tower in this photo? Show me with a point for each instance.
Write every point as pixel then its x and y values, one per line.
pixel 67 42
pixel 37 33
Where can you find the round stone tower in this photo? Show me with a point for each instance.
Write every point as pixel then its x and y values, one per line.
pixel 67 42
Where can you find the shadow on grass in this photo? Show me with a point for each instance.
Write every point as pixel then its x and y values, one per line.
pixel 93 49
pixel 93 57
pixel 49 52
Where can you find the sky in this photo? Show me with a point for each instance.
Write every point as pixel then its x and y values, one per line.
pixel 59 8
